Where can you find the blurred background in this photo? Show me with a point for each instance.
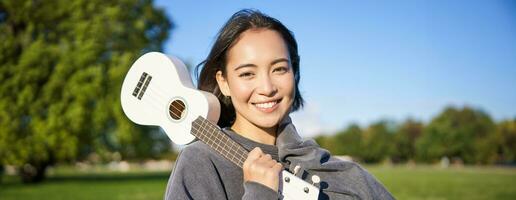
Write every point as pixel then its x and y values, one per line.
pixel 419 92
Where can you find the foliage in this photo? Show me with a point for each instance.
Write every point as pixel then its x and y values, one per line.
pixel 505 141
pixel 349 141
pixel 462 134
pixel 61 68
pixel 455 133
pixel 405 140
pixel 377 141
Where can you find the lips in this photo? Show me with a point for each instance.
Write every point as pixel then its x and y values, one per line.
pixel 267 106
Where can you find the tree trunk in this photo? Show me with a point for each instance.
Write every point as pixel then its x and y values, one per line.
pixel 1 172
pixel 33 172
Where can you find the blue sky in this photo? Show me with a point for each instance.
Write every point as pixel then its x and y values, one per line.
pixel 363 61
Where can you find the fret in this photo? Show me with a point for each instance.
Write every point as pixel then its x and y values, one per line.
pixel 205 137
pixel 222 146
pixel 215 139
pixel 212 136
pixel 211 139
pixel 228 148
pixel 224 139
pixel 215 144
pixel 232 152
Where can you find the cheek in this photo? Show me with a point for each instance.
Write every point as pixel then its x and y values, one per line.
pixel 240 91
pixel 288 85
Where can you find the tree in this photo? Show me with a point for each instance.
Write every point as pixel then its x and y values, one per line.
pixel 61 68
pixel 327 142
pixel 505 139
pixel 455 133
pixel 405 140
pixel 349 141
pixel 378 141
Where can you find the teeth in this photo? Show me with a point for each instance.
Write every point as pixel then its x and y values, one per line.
pixel 266 105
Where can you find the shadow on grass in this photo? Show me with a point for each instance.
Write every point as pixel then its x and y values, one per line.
pixel 93 177
pixel 147 176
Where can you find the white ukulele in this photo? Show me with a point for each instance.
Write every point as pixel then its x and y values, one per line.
pixel 158 91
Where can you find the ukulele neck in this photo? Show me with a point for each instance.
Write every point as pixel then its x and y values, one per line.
pixel 213 136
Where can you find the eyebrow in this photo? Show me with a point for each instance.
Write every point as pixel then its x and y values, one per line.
pixel 278 60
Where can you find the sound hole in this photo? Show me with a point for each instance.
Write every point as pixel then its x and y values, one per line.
pixel 176 109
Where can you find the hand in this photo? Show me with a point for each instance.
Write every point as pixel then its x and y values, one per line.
pixel 261 168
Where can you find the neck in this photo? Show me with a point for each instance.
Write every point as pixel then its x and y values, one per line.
pixel 254 133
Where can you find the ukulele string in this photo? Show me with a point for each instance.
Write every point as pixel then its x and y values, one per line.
pixel 154 102
pixel 157 101
pixel 159 93
pixel 211 128
pixel 240 152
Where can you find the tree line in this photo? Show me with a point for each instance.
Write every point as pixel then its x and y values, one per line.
pixel 463 134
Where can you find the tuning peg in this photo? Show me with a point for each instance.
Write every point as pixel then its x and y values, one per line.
pixel 315 179
pixel 296 169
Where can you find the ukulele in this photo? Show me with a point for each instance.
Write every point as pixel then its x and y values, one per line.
pixel 158 91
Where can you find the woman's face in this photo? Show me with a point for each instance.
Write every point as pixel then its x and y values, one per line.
pixel 259 78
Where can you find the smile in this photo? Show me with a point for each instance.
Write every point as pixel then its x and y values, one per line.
pixel 267 106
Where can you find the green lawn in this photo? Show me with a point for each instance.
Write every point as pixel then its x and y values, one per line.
pixel 97 186
pixel 404 182
pixel 452 183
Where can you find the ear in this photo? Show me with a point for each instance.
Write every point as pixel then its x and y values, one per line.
pixel 223 83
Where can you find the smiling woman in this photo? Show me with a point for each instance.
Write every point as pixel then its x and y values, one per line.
pixel 260 81
pixel 253 69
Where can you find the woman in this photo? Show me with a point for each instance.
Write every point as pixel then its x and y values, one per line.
pixel 253 69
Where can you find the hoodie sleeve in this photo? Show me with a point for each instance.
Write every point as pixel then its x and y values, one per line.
pixel 254 190
pixel 195 177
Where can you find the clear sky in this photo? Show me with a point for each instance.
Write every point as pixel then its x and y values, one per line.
pixel 362 61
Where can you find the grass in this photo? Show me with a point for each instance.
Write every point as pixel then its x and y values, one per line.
pixel 422 182
pixel 96 185
pixel 453 183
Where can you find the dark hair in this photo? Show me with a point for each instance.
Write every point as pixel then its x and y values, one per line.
pixel 217 59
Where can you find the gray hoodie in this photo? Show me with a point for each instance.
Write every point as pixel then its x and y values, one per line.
pixel 201 173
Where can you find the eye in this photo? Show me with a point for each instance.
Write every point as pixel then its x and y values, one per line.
pixel 281 70
pixel 245 75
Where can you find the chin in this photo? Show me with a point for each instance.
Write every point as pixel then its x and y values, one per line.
pixel 267 123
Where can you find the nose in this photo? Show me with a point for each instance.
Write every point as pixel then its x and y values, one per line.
pixel 266 86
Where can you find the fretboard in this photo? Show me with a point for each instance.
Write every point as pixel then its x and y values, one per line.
pixel 213 136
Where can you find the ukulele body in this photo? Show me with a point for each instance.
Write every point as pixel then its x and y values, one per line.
pixel 158 90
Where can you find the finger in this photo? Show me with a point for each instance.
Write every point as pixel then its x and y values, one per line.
pixel 266 157
pixel 278 167
pixel 272 163
pixel 274 170
pixel 256 153
pixel 267 161
pixel 252 157
pixel 264 160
